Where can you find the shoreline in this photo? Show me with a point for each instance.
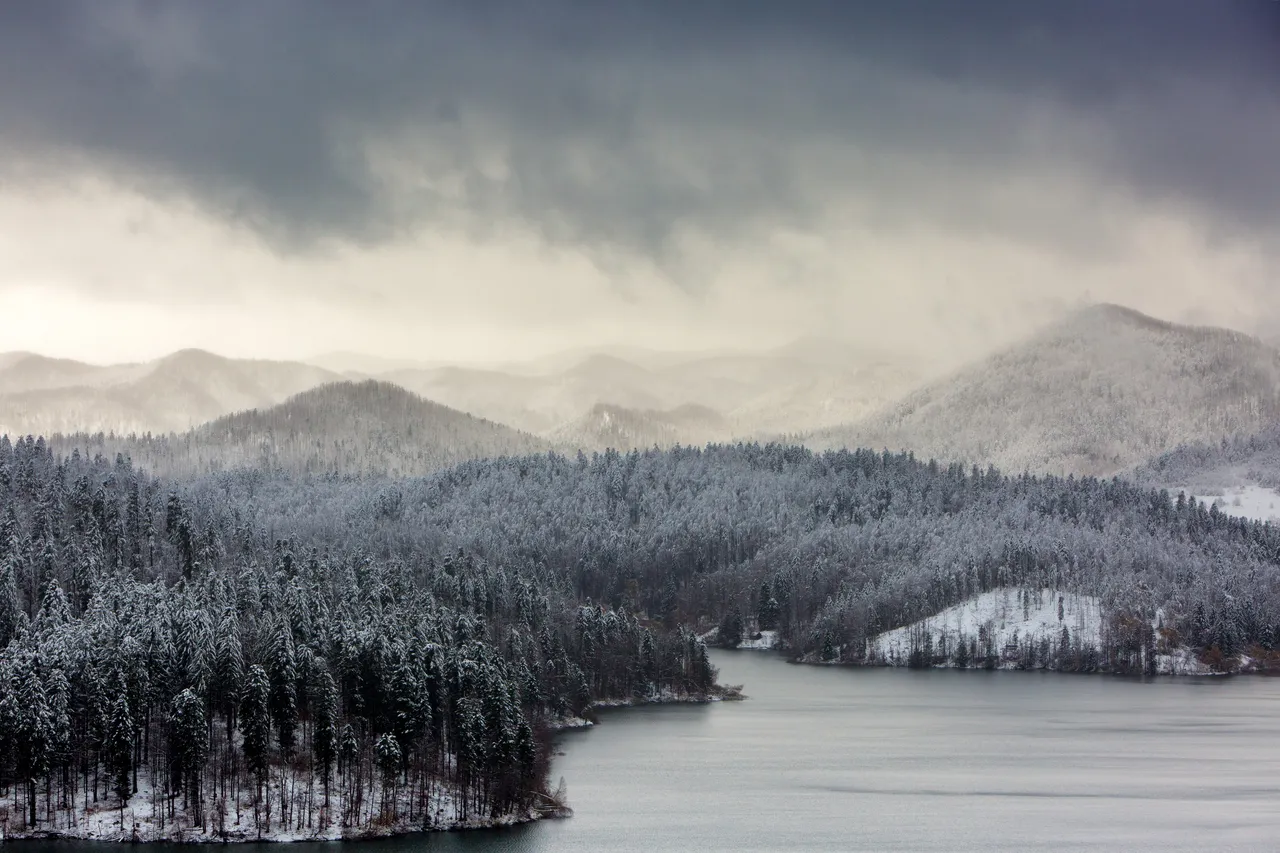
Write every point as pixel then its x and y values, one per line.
pixel 725 693
pixel 1248 668
pixel 179 834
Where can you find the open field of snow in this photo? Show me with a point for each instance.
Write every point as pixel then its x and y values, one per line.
pixel 1001 619
pixel 1008 621
pixel 1254 502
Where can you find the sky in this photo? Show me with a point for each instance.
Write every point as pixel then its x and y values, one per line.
pixel 488 181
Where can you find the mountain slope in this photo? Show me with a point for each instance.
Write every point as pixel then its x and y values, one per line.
pixel 806 385
pixel 540 404
pixel 802 387
pixel 1095 394
pixel 343 428
pixel 24 372
pixel 1252 460
pixel 608 426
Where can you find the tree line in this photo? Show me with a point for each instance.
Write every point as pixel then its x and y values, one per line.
pixel 848 543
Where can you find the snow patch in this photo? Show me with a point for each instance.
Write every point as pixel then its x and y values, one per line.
pixel 1252 502
pixel 1002 620
pixel 767 641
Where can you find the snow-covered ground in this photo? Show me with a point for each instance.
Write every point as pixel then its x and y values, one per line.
pixel 767 641
pixel 1001 616
pixel 1012 621
pixel 1255 502
pixel 145 819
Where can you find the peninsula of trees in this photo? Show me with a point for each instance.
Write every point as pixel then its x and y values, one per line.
pixel 171 666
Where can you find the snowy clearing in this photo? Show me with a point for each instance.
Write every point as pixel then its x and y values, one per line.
pixel 1002 620
pixel 1253 502
pixel 1018 628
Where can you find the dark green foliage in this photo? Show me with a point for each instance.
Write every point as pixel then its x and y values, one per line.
pixel 188 743
pixel 255 722
pixel 731 628
pixel 117 747
pixel 768 609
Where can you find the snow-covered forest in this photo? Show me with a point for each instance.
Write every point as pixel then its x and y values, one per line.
pixel 1230 462
pixel 253 651
pixel 835 548
pixel 192 661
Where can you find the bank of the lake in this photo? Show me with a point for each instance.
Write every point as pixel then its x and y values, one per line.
pixel 137 822
pixel 836 759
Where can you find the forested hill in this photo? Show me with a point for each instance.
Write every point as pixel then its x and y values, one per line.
pixel 1251 459
pixel 172 668
pixel 347 428
pixel 1098 393
pixel 847 544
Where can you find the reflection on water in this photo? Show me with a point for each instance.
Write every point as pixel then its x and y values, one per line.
pixel 824 759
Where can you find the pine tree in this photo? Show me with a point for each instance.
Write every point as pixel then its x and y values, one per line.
pixel 188 744
pixel 255 723
pixel 767 614
pixel 283 676
pixel 324 709
pixel 117 747
pixel 731 629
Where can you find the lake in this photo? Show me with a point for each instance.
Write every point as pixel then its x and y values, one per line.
pixel 834 759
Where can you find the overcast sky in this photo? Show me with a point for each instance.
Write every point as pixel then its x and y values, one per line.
pixel 485 180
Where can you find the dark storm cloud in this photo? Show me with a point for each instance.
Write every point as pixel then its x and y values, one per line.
pixel 615 125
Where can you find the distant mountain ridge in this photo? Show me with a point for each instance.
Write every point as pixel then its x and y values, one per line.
pixel 743 395
pixel 345 428
pixel 608 426
pixel 1099 392
pixel 1096 393
pixel 40 395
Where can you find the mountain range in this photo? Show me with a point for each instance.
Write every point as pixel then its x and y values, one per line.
pixel 733 395
pixel 1099 392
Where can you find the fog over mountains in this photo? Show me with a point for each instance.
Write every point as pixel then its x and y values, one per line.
pixel 1096 394
pixel 1102 390
pixel 46 395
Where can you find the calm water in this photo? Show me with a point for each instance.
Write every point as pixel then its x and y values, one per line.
pixel 835 759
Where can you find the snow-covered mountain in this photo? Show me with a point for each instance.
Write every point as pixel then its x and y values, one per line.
pixel 1096 393
pixel 364 427
pixel 1242 460
pixel 806 385
pixel 536 404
